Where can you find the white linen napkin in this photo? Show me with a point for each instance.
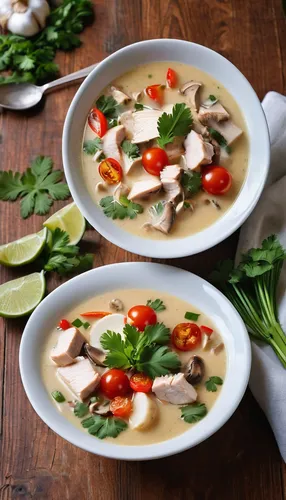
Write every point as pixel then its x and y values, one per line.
pixel 268 377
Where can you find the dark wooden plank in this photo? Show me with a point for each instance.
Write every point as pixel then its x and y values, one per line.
pixel 242 459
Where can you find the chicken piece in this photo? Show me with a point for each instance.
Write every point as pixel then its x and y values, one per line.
pixel 164 220
pixel 216 112
pixel 126 119
pixel 171 172
pixel 200 129
pixel 68 347
pixel 174 389
pixel 130 164
pixel 170 176
pixel 141 189
pixel 175 149
pixel 198 152
pixel 120 96
pixel 145 125
pixel 190 90
pixel 111 142
pixel 228 130
pixel 80 377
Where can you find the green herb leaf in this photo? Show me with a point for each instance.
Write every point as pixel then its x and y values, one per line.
pixel 158 334
pixel 158 305
pixel 212 98
pixel 193 412
pixel 77 322
pixel 187 204
pixel 58 396
pixel 220 139
pixel 176 124
pixel 108 106
pixel 192 316
pixel 157 361
pixel 103 427
pixel 80 410
pixel 192 182
pixel 131 150
pixel 117 356
pixel 132 335
pixel 212 382
pixel 86 325
pixel 92 146
pixel 115 210
pixel 138 106
pixel 157 209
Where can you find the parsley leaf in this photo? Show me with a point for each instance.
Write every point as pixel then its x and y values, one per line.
pixel 115 210
pixel 220 139
pixel 192 182
pixel 157 305
pixel 138 106
pixel 176 124
pixel 80 410
pixel 192 316
pixel 193 412
pixel 158 334
pixel 108 106
pixel 212 382
pixel 131 150
pixel 116 357
pixel 92 146
pixel 132 335
pixel 157 361
pixel 103 427
pixel 38 187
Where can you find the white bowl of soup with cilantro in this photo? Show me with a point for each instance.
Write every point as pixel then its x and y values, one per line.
pixel 135 361
pixel 166 148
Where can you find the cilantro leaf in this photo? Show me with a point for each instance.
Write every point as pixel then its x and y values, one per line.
pixel 212 98
pixel 192 182
pixel 131 150
pixel 108 106
pixel 193 412
pixel 116 357
pixel 103 427
pixel 115 210
pixel 92 146
pixel 220 139
pixel 158 334
pixel 157 209
pixel 132 335
pixel 80 409
pixel 176 124
pixel 157 361
pixel 158 305
pixel 138 106
pixel 212 382
pixel 58 396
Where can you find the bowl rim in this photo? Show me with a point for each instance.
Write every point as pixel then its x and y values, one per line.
pixel 206 238
pixel 108 276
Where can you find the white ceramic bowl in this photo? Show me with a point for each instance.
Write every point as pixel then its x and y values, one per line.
pixel 224 71
pixel 158 277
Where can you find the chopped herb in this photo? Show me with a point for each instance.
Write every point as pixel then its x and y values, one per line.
pixel 192 182
pixel 212 98
pixel 38 187
pixel 138 106
pixel 219 138
pixel 192 316
pixel 157 305
pixel 212 382
pixel 193 412
pixel 177 123
pixel 150 76
pixel 108 106
pixel 77 322
pixel 94 399
pixel 112 122
pixel 131 150
pixel 80 410
pixel 157 209
pixel 92 146
pixel 58 396
pixel 86 325
pixel 186 204
pixel 103 427
pixel 115 210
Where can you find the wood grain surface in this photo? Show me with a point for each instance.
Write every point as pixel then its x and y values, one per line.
pixel 241 461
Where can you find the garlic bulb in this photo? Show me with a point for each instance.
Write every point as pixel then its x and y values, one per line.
pixel 23 17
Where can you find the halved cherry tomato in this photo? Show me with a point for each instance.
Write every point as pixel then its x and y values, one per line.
pixel 216 179
pixel 114 383
pixel 186 336
pixel 95 314
pixel 97 122
pixel 141 316
pixel 154 160
pixel 64 324
pixel 156 93
pixel 140 382
pixel 110 170
pixel 171 78
pixel 121 407
pixel 205 329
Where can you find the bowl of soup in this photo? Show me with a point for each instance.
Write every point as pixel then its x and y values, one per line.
pixel 165 148
pixel 135 361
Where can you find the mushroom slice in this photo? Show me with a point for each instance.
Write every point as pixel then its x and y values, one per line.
pixel 163 219
pixel 143 188
pixel 116 304
pixel 99 408
pixel 100 186
pixel 190 90
pixel 206 342
pixel 95 355
pixel 198 152
pixel 217 113
pixel 119 96
pixel 137 96
pixel 120 190
pixel 194 370
pixel 218 348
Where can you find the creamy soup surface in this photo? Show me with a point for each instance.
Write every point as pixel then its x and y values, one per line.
pixel 168 422
pixel 205 208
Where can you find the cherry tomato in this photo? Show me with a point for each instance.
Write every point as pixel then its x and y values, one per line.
pixel 140 382
pixel 141 316
pixel 186 336
pixel 156 93
pixel 97 122
pixel 110 170
pixel 95 314
pixel 114 383
pixel 171 78
pixel 216 179
pixel 64 324
pixel 154 160
pixel 205 329
pixel 121 407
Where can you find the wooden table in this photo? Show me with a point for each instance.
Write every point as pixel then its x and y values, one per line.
pixel 241 461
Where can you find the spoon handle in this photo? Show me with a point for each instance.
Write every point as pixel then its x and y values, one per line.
pixel 60 82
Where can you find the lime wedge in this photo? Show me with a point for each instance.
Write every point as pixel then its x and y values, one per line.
pixel 20 297
pixel 68 219
pixel 24 250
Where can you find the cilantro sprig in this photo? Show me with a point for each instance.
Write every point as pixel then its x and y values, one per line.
pixel 193 412
pixel 177 123
pixel 110 108
pixel 92 146
pixel 37 187
pixel 157 304
pixel 120 210
pixel 131 150
pixel 212 383
pixel 103 427
pixel 192 182
pixel 220 139
pixel 80 410
pixel 252 289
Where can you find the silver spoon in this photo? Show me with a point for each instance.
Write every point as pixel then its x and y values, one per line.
pixel 26 95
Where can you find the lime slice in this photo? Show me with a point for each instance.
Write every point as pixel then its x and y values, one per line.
pixel 24 250
pixel 68 219
pixel 20 297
